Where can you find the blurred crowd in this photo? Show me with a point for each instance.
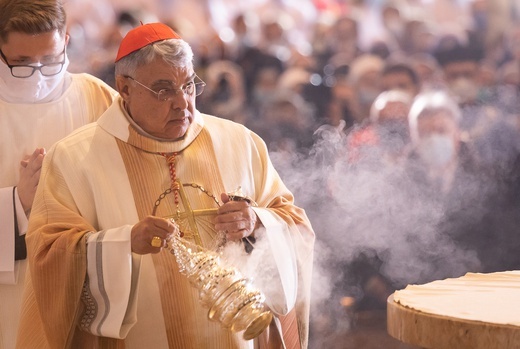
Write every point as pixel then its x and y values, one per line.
pixel 284 68
pixel 395 123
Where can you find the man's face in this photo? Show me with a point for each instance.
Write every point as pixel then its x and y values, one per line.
pixel 462 80
pixel 24 49
pixel 438 142
pixel 163 119
pixel 399 81
pixel 439 123
pixel 457 70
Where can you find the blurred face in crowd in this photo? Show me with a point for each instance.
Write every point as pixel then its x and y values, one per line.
pixel 394 111
pixel 392 20
pixel 239 25
pixel 487 75
pixel 272 31
pixel 344 36
pixel 462 79
pixel 284 113
pixel 418 37
pixel 346 28
pixel 166 119
pixel 392 121
pixel 463 69
pixel 368 87
pixel 399 81
pixel 265 84
pixel 438 141
pixel 426 68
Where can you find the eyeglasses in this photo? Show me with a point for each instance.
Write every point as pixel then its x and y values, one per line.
pixel 25 71
pixel 167 94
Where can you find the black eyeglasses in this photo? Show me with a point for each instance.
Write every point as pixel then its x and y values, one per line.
pixel 25 71
pixel 167 94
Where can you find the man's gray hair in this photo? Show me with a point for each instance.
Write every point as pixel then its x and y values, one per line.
pixel 176 52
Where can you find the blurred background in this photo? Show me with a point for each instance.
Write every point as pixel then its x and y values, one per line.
pixel 395 124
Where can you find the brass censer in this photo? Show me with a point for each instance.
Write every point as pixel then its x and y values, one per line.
pixel 231 298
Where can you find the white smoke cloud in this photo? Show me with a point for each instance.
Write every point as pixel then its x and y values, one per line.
pixel 374 208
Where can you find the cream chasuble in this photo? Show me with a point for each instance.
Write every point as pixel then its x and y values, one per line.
pixel 106 177
pixel 23 128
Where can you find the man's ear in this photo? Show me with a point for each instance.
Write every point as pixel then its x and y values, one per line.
pixel 122 86
pixel 67 38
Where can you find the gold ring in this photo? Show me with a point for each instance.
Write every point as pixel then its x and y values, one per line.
pixel 156 242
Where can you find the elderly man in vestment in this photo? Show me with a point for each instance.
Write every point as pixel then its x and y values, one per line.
pixel 40 103
pixel 100 273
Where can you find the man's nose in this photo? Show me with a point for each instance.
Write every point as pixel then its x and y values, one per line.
pixel 180 100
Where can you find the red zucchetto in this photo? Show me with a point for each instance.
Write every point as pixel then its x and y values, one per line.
pixel 143 35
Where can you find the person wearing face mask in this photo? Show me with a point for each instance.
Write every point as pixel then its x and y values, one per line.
pixel 443 173
pixel 443 184
pixel 460 67
pixel 480 205
pixel 485 111
pixel 434 130
pixel 365 78
pixel 40 102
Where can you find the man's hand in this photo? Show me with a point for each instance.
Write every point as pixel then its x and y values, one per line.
pixel 236 218
pixel 30 169
pixel 144 232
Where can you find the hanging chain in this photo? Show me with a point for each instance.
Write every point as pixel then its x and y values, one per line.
pixel 170 190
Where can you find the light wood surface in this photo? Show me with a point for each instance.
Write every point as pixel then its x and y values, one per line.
pixel 440 332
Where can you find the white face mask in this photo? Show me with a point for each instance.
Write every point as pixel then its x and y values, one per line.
pixel 465 90
pixel 33 89
pixel 436 150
